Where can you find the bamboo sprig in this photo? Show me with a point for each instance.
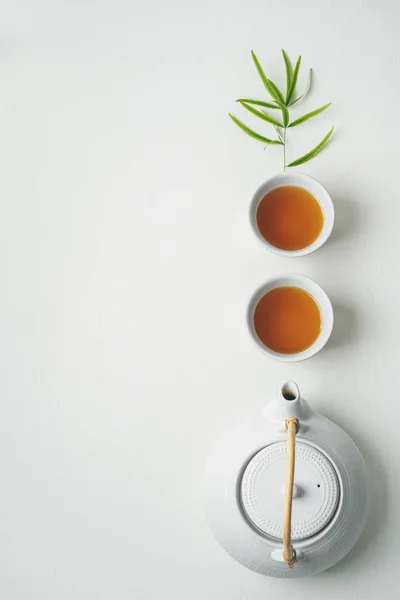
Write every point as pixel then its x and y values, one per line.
pixel 282 102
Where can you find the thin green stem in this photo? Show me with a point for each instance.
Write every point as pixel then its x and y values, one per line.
pixel 284 149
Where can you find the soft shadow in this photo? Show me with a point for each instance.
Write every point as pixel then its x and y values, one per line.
pixel 346 327
pixel 378 513
pixel 347 218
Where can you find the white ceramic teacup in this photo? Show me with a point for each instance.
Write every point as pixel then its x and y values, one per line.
pixel 324 305
pixel 311 185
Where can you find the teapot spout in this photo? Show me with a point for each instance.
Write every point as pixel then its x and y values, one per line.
pixel 288 403
pixel 290 392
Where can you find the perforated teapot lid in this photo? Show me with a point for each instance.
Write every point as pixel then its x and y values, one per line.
pixel 315 497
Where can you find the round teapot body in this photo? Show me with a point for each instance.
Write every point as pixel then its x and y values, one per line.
pixel 243 486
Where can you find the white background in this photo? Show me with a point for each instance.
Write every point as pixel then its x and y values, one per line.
pixel 127 261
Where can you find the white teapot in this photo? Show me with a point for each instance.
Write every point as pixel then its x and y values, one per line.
pixel 287 493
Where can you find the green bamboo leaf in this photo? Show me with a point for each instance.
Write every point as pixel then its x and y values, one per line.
pixel 278 133
pixel 294 81
pixel 252 133
pixel 261 114
pixel 309 115
pixel 270 86
pixel 277 92
pixel 308 85
pixel 258 103
pixel 289 71
pixel 313 152
pixel 285 114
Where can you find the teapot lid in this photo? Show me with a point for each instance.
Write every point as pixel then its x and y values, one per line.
pixel 316 491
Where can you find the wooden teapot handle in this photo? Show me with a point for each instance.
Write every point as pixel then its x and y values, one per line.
pixel 289 553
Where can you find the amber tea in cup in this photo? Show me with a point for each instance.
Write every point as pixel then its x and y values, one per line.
pixel 289 218
pixel 287 320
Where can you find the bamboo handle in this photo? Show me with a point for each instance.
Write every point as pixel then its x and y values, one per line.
pixel 289 553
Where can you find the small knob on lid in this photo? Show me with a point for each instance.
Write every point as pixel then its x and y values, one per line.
pixel 296 490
